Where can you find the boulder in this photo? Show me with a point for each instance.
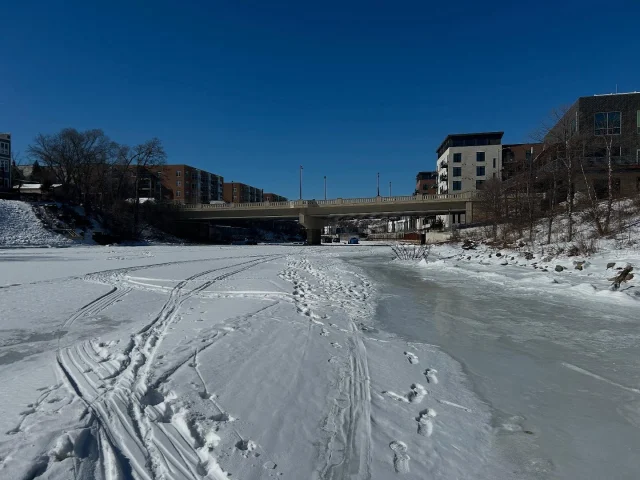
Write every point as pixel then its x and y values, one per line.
pixel 611 265
pixel 528 256
pixel 498 254
pixel 504 262
pixel 559 268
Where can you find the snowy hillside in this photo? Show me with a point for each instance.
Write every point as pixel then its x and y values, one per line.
pixel 19 226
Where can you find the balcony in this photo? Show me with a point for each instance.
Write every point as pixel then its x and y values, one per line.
pixel 443 177
pixel 444 165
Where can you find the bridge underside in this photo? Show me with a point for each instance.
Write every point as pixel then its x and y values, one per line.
pixel 314 218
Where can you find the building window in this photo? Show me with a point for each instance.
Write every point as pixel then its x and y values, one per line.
pixel 457 157
pixel 178 183
pixel 479 156
pixel 608 123
pixel 494 163
pixel 480 171
pixel 178 193
pixel 638 121
pixel 178 173
pixel 457 186
pixel 457 171
pixel 193 175
pixel 479 184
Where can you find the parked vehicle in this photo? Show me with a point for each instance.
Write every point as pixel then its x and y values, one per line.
pixel 336 240
pixel 354 241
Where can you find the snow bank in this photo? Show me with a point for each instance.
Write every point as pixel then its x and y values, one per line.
pixel 587 277
pixel 19 226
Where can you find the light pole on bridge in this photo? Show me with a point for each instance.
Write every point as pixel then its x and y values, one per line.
pixel 389 188
pixel 378 183
pixel 300 182
pixel 325 187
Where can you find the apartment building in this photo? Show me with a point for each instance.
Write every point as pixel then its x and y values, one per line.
pixel 466 161
pixel 426 183
pixel 236 192
pixel 600 122
pixel 181 183
pixel 5 161
pixel 272 197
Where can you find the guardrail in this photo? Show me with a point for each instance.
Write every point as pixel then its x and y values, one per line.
pixel 468 196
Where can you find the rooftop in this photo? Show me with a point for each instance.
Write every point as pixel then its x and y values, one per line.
pixel 469 136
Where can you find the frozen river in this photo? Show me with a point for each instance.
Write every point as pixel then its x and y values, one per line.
pixel 195 362
pixel 561 375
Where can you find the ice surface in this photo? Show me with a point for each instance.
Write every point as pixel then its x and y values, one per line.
pixel 203 362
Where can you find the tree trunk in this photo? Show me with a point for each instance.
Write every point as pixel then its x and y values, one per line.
pixel 136 208
pixel 569 199
pixel 607 217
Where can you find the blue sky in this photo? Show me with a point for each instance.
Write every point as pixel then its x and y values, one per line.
pixel 253 89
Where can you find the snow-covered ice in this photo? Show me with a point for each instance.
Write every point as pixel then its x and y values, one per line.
pixel 203 362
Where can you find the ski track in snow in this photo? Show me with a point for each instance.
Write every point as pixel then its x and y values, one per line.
pixel 348 423
pixel 131 422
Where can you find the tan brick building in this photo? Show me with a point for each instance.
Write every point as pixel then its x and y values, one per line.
pixel 272 197
pixel 182 183
pixel 236 192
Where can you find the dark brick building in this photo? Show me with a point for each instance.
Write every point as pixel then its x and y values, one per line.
pixel 517 156
pixel 426 183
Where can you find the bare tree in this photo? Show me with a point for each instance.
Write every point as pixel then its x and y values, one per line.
pixel 566 147
pixel 492 203
pixel 77 160
pixel 138 160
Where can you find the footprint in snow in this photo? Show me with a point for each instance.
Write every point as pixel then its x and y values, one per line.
pixel 425 422
pixel 415 395
pixel 412 357
pixel 324 332
pixel 400 457
pixel 336 345
pixel 430 374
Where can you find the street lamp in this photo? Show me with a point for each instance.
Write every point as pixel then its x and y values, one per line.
pixel 300 182
pixel 378 183
pixel 325 187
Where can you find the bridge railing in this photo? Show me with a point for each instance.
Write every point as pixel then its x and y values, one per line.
pixel 337 201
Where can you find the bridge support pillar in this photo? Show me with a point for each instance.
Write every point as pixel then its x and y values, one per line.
pixel 468 212
pixel 314 226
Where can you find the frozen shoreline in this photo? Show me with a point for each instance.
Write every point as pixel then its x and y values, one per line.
pixel 550 356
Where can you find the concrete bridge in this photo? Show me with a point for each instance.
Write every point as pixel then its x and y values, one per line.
pixel 313 214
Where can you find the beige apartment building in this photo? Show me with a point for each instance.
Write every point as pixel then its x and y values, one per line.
pixel 465 162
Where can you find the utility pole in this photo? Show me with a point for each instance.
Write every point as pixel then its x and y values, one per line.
pixel 325 187
pixel 300 182
pixel 389 188
pixel 378 183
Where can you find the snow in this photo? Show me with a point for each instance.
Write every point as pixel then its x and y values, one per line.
pixel 580 276
pixel 19 226
pixel 192 362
